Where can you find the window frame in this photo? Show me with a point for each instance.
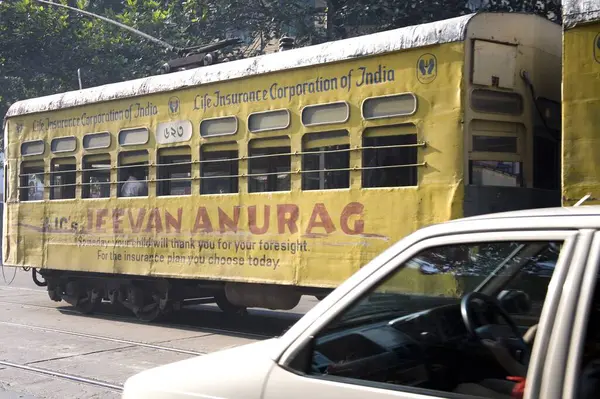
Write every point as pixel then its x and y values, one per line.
pixel 265 143
pixel 226 146
pixel 124 145
pixel 323 106
pixel 169 152
pixel 386 96
pixel 120 165
pixel 385 131
pixel 498 94
pixel 563 267
pixel 210 136
pixel 90 136
pixel 35 154
pixel 330 140
pixel 33 163
pixel 62 186
pixel 85 172
pixel 520 180
pixel 271 129
pixel 481 127
pixel 485 128
pixel 63 139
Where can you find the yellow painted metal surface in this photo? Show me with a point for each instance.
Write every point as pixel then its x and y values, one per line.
pixel 308 238
pixel 581 103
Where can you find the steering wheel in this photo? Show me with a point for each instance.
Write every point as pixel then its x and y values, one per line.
pixel 508 335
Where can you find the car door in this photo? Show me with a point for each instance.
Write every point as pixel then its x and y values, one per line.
pixel 574 350
pixel 425 360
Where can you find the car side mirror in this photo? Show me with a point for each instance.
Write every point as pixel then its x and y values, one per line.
pixel 515 301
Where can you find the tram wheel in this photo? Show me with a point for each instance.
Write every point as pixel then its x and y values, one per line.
pixel 228 307
pixel 89 302
pixel 150 311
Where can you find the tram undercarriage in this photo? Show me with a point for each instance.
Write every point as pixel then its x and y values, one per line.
pixel 152 299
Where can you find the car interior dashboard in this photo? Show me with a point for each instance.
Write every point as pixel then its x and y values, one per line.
pixel 428 349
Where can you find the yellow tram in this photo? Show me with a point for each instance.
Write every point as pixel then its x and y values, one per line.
pixel 260 180
pixel 581 101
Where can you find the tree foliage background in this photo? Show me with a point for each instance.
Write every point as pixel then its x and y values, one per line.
pixel 42 46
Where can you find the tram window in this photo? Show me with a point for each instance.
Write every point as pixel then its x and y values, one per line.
pixel 390 165
pixel 219 169
pixel 268 171
pixel 496 173
pixel 94 141
pixel 133 136
pixel 506 144
pixel 31 181
pixel 62 178
pixel 265 121
pixel 325 160
pixel 496 102
pixel 30 148
pixel 63 144
pixel 323 114
pixel 174 171
pixel 133 174
pixel 96 176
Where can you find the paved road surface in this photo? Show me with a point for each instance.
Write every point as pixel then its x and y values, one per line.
pixel 36 332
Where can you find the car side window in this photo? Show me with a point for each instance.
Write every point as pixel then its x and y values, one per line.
pixel 408 332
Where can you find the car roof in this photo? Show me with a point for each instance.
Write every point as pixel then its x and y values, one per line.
pixel 583 210
pixel 575 217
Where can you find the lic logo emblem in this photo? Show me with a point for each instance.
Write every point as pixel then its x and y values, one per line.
pixel 174 105
pixel 427 68
pixel 597 48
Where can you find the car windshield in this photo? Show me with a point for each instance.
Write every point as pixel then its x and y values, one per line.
pixel 442 275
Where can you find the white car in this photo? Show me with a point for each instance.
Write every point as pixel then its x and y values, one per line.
pixel 508 302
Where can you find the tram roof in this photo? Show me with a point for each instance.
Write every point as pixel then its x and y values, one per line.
pixel 439 32
pixel 577 12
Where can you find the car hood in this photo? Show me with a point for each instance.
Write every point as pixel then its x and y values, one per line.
pixel 238 372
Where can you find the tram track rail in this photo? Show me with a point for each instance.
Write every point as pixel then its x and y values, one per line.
pixel 63 376
pixel 104 338
pixel 57 374
pixel 130 319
